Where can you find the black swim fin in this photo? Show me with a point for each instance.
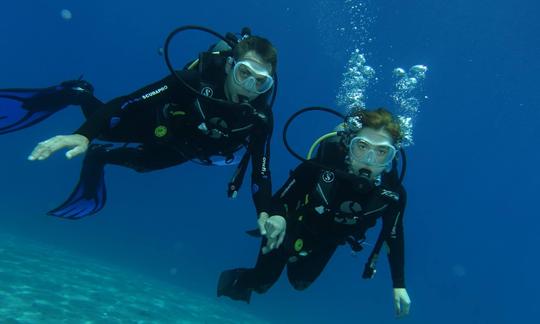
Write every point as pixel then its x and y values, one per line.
pixel 21 108
pixel 228 285
pixel 254 233
pixel 89 196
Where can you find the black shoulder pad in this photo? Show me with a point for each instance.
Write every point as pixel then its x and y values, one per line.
pixel 210 64
pixel 331 153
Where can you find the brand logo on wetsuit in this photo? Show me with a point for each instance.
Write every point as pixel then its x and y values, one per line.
pixel 155 92
pixel 328 176
pixel 263 167
pixel 207 92
pixel 390 194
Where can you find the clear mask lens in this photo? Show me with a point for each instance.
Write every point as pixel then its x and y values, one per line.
pixel 374 154
pixel 252 77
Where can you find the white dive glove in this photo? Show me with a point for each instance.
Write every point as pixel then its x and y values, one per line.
pixel 402 302
pixel 274 228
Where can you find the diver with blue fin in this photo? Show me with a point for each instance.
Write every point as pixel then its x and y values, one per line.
pixel 217 106
pixel 330 200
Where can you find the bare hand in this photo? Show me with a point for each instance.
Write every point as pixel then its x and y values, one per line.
pixel 77 144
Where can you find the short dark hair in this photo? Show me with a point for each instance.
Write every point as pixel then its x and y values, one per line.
pixel 380 118
pixel 259 45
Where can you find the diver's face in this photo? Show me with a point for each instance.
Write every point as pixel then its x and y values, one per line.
pixel 371 149
pixel 235 90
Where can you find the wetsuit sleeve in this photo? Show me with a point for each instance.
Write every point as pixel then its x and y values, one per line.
pixel 261 182
pixel 167 90
pixel 295 189
pixel 393 219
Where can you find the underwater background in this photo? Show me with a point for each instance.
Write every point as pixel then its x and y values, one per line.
pixel 155 252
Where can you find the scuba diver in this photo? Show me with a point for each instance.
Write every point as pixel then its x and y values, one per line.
pixel 328 201
pixel 207 113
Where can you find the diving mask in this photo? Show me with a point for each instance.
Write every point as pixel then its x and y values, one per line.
pixel 252 76
pixel 372 153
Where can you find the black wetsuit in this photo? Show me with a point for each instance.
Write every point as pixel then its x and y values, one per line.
pixel 170 126
pixel 322 211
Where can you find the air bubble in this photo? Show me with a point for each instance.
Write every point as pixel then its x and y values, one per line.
pixel 66 14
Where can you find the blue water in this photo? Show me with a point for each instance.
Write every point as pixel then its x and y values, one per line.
pixel 471 225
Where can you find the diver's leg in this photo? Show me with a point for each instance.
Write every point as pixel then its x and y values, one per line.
pixel 89 195
pixel 21 108
pixel 305 270
pixel 238 283
pixel 141 158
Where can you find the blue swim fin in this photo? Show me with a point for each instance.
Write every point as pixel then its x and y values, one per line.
pixel 21 108
pixel 88 197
